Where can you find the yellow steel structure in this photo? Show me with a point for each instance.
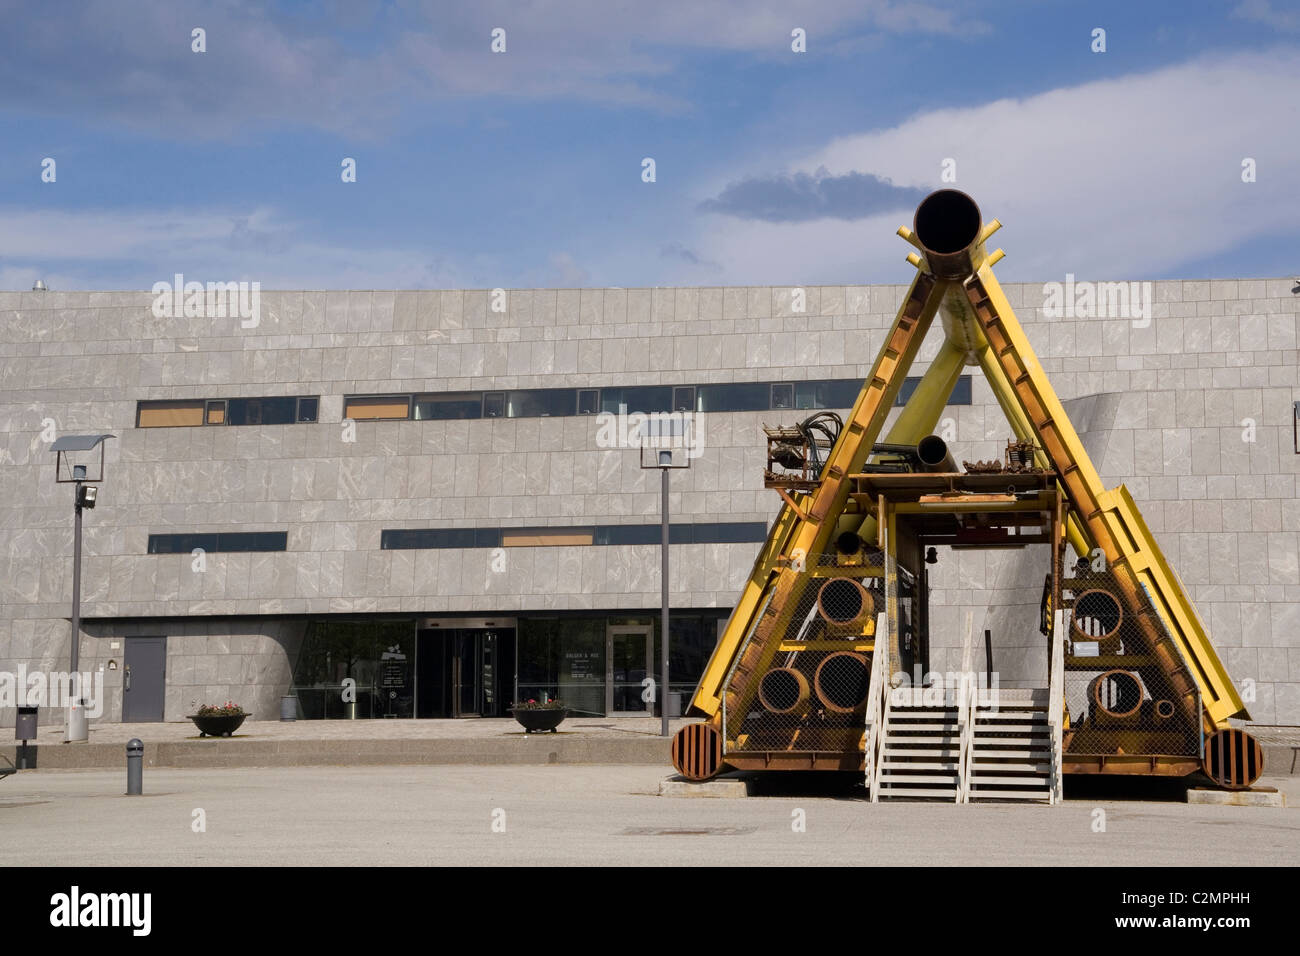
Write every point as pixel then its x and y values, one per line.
pixel 955 280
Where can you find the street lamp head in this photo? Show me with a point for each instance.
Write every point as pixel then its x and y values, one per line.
pixel 77 443
pixel 86 496
pixel 665 458
pixel 39 286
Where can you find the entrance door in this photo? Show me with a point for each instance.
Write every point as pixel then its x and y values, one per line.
pixel 629 660
pixel 144 679
pixel 459 671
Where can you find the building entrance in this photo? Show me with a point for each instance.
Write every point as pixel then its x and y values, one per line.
pixel 462 669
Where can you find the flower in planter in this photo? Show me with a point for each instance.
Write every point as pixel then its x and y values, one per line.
pixel 228 709
pixel 539 705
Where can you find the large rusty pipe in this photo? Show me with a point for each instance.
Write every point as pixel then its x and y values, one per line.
pixel 783 690
pixel 845 605
pixel 842 682
pixel 1115 695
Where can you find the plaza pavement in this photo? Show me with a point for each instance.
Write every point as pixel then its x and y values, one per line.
pixel 610 815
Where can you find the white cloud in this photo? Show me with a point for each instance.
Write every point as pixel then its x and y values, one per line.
pixel 1116 178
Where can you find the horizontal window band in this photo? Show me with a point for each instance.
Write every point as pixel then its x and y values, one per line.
pixel 218 541
pixel 793 397
pixel 728 532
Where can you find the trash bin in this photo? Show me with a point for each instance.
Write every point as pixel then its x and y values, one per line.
pixel 25 725
pixel 674 703
pixel 288 707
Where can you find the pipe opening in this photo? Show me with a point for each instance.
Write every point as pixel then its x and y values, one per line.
pixel 947 221
pixel 1117 694
pixel 842 682
pixel 932 450
pixel 782 690
pixel 848 543
pixel 842 601
pixel 1097 616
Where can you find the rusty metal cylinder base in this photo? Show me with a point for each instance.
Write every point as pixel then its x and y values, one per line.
pixel 842 681
pixel 783 690
pixel 1233 759
pixel 845 605
pixel 697 752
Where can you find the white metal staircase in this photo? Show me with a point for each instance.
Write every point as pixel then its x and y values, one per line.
pixel 963 746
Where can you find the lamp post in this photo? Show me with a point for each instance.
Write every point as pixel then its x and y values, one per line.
pixel 673 431
pixel 84 497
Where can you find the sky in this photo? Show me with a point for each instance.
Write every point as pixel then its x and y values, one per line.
pixel 1166 147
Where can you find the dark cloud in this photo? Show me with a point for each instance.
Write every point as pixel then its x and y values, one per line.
pixel 801 197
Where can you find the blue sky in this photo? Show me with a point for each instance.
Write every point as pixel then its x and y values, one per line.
pixel 523 168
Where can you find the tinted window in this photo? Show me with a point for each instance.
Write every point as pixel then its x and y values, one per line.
pixel 541 403
pixel 261 411
pixel 219 541
pixel 647 398
pixel 307 409
pixel 740 397
pixel 831 394
pixel 449 405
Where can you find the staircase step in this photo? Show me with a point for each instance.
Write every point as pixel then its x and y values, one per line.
pixel 926 752
pixel 1044 795
pixel 979 754
pixel 1035 768
pixel 917 792
pixel 897 728
pixel 888 765
pixel 919 778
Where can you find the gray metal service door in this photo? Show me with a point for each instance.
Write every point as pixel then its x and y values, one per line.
pixel 144 680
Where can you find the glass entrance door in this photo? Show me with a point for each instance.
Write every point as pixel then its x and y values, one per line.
pixel 459 671
pixel 629 655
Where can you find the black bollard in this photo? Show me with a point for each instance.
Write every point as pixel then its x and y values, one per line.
pixel 134 767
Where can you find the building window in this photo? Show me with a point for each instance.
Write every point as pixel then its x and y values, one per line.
pixel 168 414
pixel 261 411
pixel 214 542
pixel 740 397
pixel 540 403
pixel 449 405
pixel 227 411
pixel 684 398
pixel 588 401
pixel 377 407
pixel 494 405
pixel 642 398
pixel 783 395
pixel 545 537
